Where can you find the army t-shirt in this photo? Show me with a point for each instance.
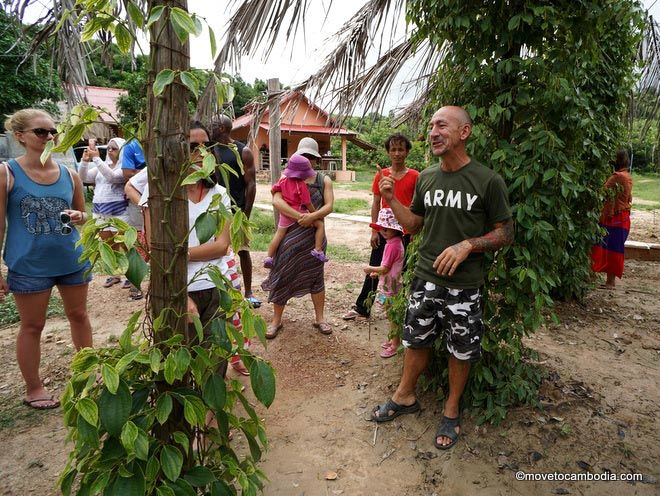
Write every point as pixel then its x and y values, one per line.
pixel 457 206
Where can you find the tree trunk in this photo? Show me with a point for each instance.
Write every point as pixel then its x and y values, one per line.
pixel 166 154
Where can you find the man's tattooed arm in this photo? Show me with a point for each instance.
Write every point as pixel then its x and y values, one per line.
pixel 501 235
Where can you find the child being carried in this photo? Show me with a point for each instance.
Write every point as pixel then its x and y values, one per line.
pixel 295 193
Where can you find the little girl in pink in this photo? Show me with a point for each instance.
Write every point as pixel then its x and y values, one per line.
pixel 389 271
pixel 296 195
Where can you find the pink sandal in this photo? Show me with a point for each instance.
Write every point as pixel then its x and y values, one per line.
pixel 388 352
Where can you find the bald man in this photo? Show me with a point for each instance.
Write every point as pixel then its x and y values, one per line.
pixel 242 188
pixel 464 208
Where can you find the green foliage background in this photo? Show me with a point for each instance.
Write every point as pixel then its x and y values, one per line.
pixel 31 83
pixel 546 84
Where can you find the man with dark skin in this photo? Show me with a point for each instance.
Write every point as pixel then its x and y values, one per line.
pixel 457 201
pixel 242 189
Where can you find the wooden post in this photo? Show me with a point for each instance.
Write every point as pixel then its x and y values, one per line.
pixel 343 153
pixel 274 133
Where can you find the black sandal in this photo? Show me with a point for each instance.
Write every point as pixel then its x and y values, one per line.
pixel 396 409
pixel 446 429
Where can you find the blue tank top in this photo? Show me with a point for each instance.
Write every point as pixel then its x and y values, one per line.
pixel 36 245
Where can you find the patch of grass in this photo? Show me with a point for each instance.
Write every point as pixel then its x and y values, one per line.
pixel 646 187
pixel 9 312
pixel 263 231
pixel 350 205
pixel 353 186
pixel 341 253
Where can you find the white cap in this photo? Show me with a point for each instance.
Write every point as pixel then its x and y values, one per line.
pixel 309 146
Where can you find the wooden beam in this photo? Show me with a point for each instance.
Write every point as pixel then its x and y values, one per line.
pixel 343 153
pixel 274 133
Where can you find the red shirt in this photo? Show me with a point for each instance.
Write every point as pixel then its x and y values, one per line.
pixel 404 188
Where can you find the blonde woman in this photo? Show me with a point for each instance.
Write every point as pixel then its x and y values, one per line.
pixel 38 205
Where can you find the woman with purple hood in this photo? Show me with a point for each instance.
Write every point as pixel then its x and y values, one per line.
pixel 295 193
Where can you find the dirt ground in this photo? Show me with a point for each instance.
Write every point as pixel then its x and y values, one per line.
pixel 600 398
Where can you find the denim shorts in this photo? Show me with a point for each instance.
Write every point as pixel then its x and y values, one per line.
pixel 20 284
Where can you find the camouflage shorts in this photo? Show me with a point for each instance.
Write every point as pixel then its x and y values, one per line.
pixel 434 310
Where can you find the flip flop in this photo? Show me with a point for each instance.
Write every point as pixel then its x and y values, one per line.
pixel 239 367
pixel 322 327
pixel 32 403
pixel 272 332
pixel 396 409
pixel 446 429
pixel 127 284
pixel 253 301
pixel 352 314
pixel 111 281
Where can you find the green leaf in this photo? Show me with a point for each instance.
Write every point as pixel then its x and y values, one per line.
pixel 182 23
pixel 129 434
pixel 163 408
pixel 255 449
pixel 215 392
pixel 198 25
pixel 142 446
pixel 125 339
pixel 155 357
pixel 136 15
pixel 199 476
pixel 163 79
pixel 87 433
pixel 130 237
pixel 137 268
pixel 194 411
pixel 190 82
pixel 182 439
pixel 153 467
pixel 165 491
pixel 214 44
pixel 129 486
pixel 170 368
pixel 171 462
pixel 182 359
pixel 221 488
pixel 124 361
pixel 199 329
pixel 67 480
pixel 115 409
pixel 107 255
pixel 89 410
pixel 100 483
pixel 485 371
pixel 549 174
pixel 260 329
pixel 123 37
pixel 110 377
pixel 205 226
pixel 154 15
pixel 47 151
pixel 262 380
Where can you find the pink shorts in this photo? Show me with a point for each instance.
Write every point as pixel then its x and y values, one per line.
pixel 285 221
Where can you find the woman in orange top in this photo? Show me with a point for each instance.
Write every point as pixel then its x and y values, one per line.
pixel 615 218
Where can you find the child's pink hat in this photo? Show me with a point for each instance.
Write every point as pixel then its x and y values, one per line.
pixel 386 220
pixel 298 167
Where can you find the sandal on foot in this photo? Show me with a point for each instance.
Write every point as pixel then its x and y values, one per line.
pixel 446 429
pixel 268 263
pixel 352 314
pixel 385 344
pixel 273 331
pixel 135 293
pixel 322 327
pixel 319 255
pixel 389 352
pixel 111 281
pixel 239 367
pixel 33 403
pixel 383 411
pixel 253 301
pixel 127 284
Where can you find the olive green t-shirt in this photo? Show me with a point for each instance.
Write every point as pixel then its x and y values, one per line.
pixel 457 206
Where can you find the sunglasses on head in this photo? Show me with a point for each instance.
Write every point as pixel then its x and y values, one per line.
pixel 43 133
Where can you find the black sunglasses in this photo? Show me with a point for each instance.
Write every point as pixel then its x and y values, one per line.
pixel 43 133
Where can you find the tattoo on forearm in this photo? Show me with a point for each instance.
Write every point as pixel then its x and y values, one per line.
pixel 500 236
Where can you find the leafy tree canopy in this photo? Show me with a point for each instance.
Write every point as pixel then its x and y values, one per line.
pixel 31 84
